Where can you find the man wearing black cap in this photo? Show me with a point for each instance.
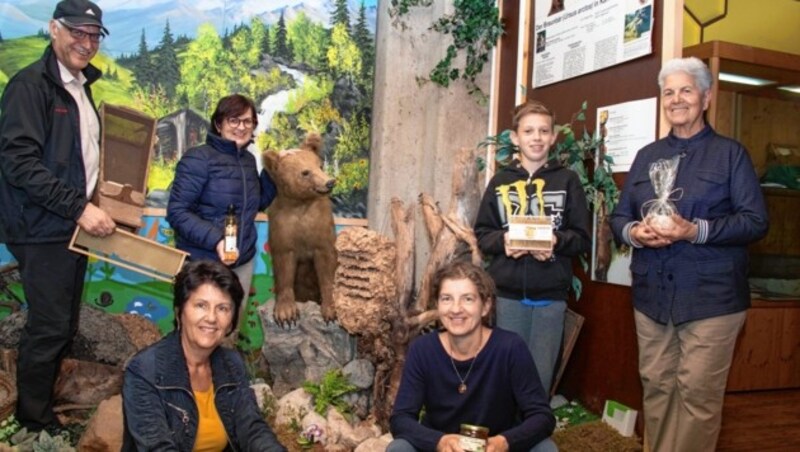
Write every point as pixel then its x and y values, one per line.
pixel 49 163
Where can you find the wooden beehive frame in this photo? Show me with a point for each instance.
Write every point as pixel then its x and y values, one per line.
pixel 126 147
pixel 131 251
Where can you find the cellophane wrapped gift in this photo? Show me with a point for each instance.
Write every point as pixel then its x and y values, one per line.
pixel 658 212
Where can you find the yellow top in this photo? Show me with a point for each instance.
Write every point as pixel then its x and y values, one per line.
pixel 211 435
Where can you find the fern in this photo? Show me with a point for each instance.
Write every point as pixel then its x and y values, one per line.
pixel 330 392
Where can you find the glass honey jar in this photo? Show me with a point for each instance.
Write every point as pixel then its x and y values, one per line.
pixel 474 438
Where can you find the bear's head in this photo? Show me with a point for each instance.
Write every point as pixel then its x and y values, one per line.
pixel 298 172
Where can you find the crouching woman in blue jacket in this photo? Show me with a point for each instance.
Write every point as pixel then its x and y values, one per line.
pixel 186 392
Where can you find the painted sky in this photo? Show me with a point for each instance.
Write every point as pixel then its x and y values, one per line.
pixel 126 19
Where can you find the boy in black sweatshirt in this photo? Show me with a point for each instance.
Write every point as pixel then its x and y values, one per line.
pixel 532 286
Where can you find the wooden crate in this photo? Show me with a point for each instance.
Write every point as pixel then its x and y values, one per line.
pixel 131 251
pixel 126 147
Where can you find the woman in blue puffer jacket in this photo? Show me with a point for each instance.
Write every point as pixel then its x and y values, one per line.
pixel 215 175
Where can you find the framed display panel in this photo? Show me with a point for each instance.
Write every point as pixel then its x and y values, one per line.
pixel 125 151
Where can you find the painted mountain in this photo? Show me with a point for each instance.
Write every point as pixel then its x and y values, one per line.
pixel 126 18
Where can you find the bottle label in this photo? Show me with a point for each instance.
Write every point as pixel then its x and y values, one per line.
pixel 472 444
pixel 230 239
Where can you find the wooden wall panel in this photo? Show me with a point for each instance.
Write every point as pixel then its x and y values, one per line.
pixel 767 352
pixel 507 55
pixel 783 238
pixel 725 123
pixel 763 121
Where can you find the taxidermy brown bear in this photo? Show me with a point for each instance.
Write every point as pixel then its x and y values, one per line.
pixel 301 231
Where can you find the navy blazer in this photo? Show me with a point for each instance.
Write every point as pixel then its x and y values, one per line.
pixel 720 192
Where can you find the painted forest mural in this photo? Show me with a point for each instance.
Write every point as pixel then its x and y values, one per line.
pixel 308 65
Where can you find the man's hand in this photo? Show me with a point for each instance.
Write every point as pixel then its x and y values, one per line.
pixel 96 221
pixel 449 443
pixel 497 444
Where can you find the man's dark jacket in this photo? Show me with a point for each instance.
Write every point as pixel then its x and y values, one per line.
pixel 42 176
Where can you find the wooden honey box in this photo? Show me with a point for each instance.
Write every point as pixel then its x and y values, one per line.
pixel 126 147
pixel 530 233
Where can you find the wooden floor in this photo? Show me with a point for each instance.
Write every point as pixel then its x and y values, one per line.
pixel 761 421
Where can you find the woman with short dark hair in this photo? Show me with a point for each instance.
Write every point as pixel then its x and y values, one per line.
pixel 214 176
pixel 186 392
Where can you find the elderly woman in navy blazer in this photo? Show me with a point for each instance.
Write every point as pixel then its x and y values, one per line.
pixel 690 288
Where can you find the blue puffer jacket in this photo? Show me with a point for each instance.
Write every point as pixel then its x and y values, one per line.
pixel 208 179
pixel 160 410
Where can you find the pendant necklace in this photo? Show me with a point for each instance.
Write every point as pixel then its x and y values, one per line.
pixel 462 388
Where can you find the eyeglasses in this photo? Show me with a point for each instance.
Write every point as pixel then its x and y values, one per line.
pixel 246 122
pixel 80 35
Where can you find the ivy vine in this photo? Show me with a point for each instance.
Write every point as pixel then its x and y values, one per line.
pixel 474 26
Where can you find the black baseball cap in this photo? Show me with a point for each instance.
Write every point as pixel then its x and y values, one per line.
pixel 80 12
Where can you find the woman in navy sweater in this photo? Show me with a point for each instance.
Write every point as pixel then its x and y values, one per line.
pixel 469 373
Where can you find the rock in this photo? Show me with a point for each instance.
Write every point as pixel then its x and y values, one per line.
pixel 375 444
pixel 99 339
pixel 293 406
pixel 105 429
pixel 346 97
pixel 10 329
pixel 263 395
pixel 141 331
pixel 341 433
pixel 85 383
pixel 338 430
pixel 305 351
pixel 360 373
pixel 359 403
pixel 365 430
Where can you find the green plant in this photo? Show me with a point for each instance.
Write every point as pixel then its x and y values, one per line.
pixel 269 409
pixel 46 443
pixel 8 427
pixel 474 26
pixel 295 416
pixel 330 392
pixel 573 413
pixel 580 153
pixel 23 440
pixel 576 149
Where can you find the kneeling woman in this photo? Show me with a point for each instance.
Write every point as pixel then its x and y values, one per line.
pixel 469 373
pixel 187 393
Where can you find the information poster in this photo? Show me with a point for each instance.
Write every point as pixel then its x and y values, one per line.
pixel 576 37
pixel 626 128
